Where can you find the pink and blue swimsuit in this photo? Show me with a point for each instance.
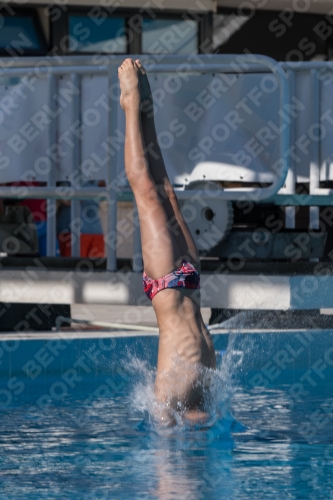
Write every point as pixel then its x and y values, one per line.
pixel 185 276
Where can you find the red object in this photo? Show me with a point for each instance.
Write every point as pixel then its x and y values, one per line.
pixel 185 276
pixel 91 245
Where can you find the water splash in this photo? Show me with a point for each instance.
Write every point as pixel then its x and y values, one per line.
pixel 216 400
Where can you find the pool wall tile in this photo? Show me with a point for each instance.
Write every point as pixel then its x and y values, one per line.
pixel 259 353
pixel 26 357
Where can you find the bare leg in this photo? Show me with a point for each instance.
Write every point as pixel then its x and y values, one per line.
pixel 161 252
pixel 158 171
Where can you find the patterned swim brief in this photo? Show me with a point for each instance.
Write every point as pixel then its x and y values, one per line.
pixel 185 276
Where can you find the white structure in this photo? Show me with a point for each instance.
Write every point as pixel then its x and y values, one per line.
pixel 234 121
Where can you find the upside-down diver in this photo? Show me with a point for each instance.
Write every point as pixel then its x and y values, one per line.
pixel 171 261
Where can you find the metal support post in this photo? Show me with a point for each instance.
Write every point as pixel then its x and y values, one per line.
pixel 291 177
pixel 51 203
pixel 315 151
pixel 111 237
pixel 76 160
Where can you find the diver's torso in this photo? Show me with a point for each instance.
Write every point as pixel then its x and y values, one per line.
pixel 184 340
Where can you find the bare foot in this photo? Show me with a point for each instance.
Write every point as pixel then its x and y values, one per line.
pixel 128 75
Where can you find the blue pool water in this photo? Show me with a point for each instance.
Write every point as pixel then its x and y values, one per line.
pixel 75 422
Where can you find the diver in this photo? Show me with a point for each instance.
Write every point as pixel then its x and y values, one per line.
pixel 171 261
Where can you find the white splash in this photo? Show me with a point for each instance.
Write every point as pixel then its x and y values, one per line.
pixel 217 399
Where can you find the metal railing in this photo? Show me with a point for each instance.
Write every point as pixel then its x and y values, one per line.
pixel 51 192
pixel 254 64
pixel 78 66
pixel 315 191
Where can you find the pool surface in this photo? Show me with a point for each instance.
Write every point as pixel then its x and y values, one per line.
pixel 75 422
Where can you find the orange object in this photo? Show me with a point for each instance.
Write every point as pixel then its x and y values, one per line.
pixel 91 245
